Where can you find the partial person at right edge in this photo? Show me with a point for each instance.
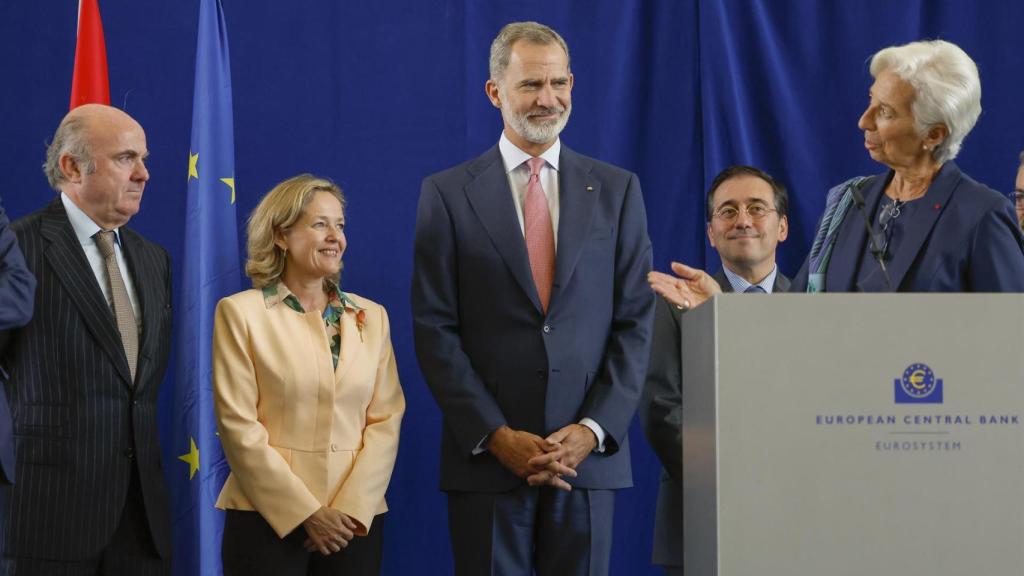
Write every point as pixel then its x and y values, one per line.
pixel 1017 196
pixel 935 228
pixel 747 218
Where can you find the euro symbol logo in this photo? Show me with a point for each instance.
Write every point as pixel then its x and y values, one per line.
pixel 917 379
pixel 918 384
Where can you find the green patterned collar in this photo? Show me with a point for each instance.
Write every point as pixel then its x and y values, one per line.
pixel 337 301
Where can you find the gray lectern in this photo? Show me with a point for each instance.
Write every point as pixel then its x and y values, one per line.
pixel 842 434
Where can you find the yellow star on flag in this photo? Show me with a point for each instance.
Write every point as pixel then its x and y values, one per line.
pixel 192 458
pixel 231 184
pixel 193 162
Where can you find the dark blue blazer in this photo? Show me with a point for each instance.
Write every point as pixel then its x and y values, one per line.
pixel 17 294
pixel 968 240
pixel 80 421
pixel 486 349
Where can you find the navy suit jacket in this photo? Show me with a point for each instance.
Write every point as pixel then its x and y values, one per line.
pixel 80 421
pixel 661 414
pixel 17 294
pixel 968 240
pixel 488 352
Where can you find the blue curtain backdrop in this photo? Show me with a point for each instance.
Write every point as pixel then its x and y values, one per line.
pixel 378 94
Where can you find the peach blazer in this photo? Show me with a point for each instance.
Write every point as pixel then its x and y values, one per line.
pixel 297 433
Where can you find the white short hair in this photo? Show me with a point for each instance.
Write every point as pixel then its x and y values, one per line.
pixel 947 87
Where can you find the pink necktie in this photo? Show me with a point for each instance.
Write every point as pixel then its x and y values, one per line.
pixel 540 236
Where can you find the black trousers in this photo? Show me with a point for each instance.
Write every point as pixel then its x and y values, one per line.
pixel 252 548
pixel 130 551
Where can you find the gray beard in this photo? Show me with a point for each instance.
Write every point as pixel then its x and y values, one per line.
pixel 536 133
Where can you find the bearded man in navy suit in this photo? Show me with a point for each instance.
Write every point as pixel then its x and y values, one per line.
pixel 532 326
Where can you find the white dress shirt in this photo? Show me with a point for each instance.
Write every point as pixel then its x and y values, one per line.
pixel 85 229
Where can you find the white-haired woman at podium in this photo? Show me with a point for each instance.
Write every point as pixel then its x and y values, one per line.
pixel 920 226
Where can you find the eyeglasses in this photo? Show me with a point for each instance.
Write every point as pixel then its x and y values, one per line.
pixel 757 212
pixel 1017 196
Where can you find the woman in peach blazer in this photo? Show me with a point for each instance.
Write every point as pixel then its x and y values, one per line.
pixel 307 397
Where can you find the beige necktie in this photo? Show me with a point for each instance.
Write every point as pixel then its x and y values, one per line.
pixel 121 305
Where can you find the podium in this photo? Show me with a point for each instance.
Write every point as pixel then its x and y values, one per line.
pixel 854 434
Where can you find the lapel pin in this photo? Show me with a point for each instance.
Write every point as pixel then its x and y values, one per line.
pixel 590 188
pixel 938 206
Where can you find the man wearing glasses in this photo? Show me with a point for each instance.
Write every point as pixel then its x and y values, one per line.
pixel 1018 195
pixel 746 212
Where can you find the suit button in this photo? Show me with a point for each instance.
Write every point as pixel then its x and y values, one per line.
pixel 334 447
pixel 540 374
pixel 547 328
pixel 129 452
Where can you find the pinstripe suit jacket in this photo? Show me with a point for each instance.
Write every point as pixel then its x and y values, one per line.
pixel 79 421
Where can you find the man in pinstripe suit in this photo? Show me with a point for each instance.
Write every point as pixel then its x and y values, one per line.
pixel 89 496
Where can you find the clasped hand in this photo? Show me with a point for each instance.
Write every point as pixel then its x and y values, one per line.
pixel 329 531
pixel 543 461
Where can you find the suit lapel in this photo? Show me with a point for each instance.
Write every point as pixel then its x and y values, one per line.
pixel 143 279
pixel 781 283
pixel 723 281
pixel 68 262
pixel 577 194
pixel 351 338
pixel 491 199
pixel 917 228
pixel 852 239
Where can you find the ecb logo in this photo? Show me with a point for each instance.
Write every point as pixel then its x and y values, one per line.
pixel 918 386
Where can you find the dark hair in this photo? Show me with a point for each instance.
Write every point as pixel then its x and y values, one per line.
pixel 779 191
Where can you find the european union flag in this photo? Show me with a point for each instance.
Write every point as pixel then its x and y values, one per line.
pixel 210 272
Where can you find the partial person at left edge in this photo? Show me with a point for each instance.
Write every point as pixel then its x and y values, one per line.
pixel 89 495
pixel 17 294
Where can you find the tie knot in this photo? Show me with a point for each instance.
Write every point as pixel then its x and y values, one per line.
pixel 755 289
pixel 105 242
pixel 535 165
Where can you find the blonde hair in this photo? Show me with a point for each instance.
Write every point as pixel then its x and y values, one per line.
pixel 279 210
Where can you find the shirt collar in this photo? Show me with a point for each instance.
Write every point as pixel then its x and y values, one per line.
pixel 84 226
pixel 277 292
pixel 739 284
pixel 514 156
